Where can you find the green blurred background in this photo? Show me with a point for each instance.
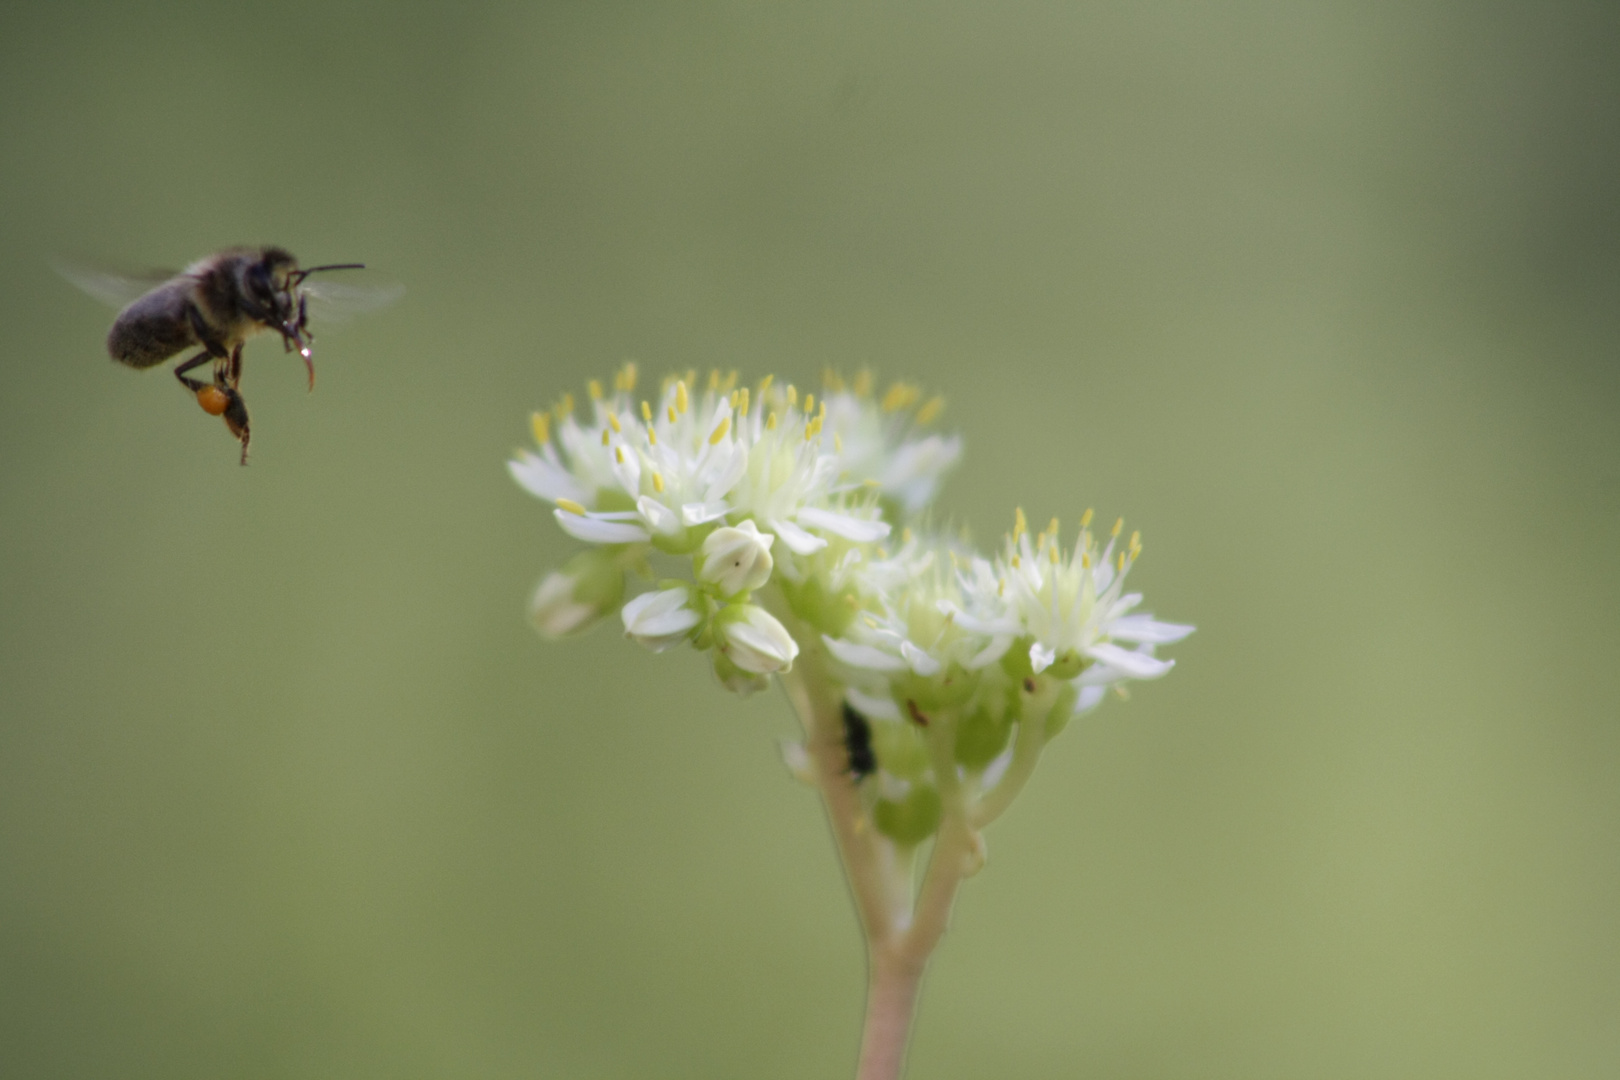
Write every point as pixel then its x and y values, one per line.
pixel 1320 297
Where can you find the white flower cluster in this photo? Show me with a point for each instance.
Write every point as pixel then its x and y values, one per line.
pixel 784 507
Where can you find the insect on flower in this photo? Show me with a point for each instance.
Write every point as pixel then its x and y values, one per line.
pixel 858 742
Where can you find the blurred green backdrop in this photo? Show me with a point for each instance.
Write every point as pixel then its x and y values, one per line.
pixel 1321 297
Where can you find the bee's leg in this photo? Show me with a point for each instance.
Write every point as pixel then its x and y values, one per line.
pixel 234 374
pixel 192 385
pixel 236 418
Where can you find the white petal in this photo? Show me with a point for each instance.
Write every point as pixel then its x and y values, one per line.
pixel 724 469
pixel 920 661
pixel 1089 698
pixel 860 530
pixel 1138 665
pixel 1147 628
pixel 863 656
pixel 992 652
pixel 544 478
pixel 699 513
pixel 596 531
pixel 798 541
pixel 871 706
pixel 1041 657
pixel 659 518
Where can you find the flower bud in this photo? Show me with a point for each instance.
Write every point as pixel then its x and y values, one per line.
pixel 661 618
pixel 572 599
pixel 735 679
pixel 735 558
pixel 753 640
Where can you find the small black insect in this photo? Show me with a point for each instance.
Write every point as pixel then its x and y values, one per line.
pixel 858 741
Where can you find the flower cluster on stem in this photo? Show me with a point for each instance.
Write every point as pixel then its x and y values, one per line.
pixel 783 535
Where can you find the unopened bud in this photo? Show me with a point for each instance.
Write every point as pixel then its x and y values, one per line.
pixel 572 599
pixel 735 558
pixel 754 640
pixel 660 619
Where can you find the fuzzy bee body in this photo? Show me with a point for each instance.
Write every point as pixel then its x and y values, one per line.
pixel 216 304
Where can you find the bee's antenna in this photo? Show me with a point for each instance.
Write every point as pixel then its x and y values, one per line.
pixel 302 274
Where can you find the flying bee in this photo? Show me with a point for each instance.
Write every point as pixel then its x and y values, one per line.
pixel 216 304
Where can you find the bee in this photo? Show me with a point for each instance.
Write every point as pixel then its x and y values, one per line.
pixel 858 742
pixel 216 304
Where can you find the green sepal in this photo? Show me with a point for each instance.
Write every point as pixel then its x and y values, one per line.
pixel 1062 710
pixel 911 820
pixel 1015 661
pixel 1067 665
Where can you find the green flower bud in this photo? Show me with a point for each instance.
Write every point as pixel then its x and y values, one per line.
pixel 754 639
pixel 980 737
pixel 911 820
pixel 735 679
pixel 900 748
pixel 734 559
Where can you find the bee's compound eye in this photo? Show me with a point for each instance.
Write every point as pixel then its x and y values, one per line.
pixel 213 400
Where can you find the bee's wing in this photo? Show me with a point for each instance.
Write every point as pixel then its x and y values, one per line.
pixel 115 286
pixel 340 298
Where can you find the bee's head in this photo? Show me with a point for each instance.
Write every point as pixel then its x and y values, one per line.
pixel 271 282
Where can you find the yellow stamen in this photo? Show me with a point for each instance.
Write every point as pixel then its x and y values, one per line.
pixel 681 402
pixel 838 442
pixel 1052 552
pixel 720 430
pixel 930 412
pixel 792 395
pixel 1020 526
pixel 1053 528
pixel 607 436
pixel 670 412
pixel 905 535
pixel 541 423
pixel 899 396
pixel 646 412
pixel 626 379
pixel 1085 518
pixel 873 623
pixel 1118 525
pixel 1017 562
pixel 863 382
pixel 594 388
pixel 831 381
pixel 613 422
pixel 658 482
pixel 714 380
pixel 809 404
pixel 742 404
pixel 729 381
pixel 733 399
pixel 770 422
pixel 565 407
pixel 571 506
pixel 1001 587
pixel 1121 562
pixel 652 437
pixel 618 454
pixel 1085 559
pixel 765 384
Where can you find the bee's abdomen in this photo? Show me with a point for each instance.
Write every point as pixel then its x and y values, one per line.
pixel 150 330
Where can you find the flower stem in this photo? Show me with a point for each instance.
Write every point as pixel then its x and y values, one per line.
pixel 891 1001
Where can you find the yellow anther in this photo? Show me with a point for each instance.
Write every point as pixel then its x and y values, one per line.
pixel 564 407
pixel 863 382
pixel 658 482
pixel 899 396
pixel 1136 539
pixel 765 384
pixel 594 388
pixel 930 411
pixel 1085 559
pixel 1017 562
pixel 732 401
pixel 1020 526
pixel 720 430
pixel 770 422
pixel 541 423
pixel 1001 587
pixel 742 405
pixel 838 442
pixel 869 621
pixel 571 506
pixel 1052 553
pixel 652 437
pixel 1118 525
pixel 646 412
pixel 714 380
pixel 681 402
pixel 1053 528
pixel 613 422
pixel 729 381
pixel 871 482
pixel 905 535
pixel 670 412
pixel 1085 518
pixel 1121 562
pixel 691 379
pixel 618 454
pixel 809 404
pixel 607 436
pixel 1121 693
pixel 626 379
pixel 821 413
pixel 792 395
